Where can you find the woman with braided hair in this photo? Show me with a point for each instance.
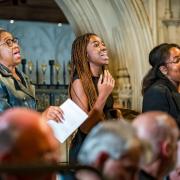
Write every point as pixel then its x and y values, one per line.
pixel 90 85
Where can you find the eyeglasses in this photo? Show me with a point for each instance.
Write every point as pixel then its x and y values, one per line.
pixel 174 61
pixel 10 42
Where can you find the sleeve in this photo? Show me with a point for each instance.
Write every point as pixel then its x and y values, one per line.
pixel 3 98
pixel 156 98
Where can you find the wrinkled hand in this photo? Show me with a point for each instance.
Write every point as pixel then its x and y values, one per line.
pixel 54 113
pixel 105 84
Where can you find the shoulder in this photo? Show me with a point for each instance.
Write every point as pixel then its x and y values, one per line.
pixel 77 84
pixel 78 95
pixel 77 89
pixel 157 97
pixel 156 94
pixel 158 88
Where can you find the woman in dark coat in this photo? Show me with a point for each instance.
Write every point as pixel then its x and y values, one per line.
pixel 161 84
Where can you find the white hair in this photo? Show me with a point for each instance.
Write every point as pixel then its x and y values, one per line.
pixel 115 138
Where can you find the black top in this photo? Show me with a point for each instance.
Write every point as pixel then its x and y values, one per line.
pixel 145 176
pixel 109 102
pixel 163 96
pixel 80 136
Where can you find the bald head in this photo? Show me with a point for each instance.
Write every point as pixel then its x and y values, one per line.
pixel 26 138
pixel 161 131
pixel 155 124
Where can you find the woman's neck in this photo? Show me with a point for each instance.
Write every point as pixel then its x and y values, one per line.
pixel 12 69
pixel 176 84
pixel 95 70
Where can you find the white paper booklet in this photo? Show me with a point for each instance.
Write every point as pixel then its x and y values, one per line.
pixel 74 116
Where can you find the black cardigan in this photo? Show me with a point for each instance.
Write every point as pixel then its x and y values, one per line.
pixel 163 96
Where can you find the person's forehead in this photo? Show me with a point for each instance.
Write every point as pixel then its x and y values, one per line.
pixel 174 51
pixel 95 38
pixel 5 35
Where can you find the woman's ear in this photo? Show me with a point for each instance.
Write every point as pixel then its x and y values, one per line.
pixel 163 70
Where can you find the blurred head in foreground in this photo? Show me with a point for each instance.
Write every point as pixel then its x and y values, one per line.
pixel 175 174
pixel 26 139
pixel 113 148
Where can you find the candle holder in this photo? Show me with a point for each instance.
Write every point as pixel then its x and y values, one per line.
pixel 51 64
pixel 57 68
pixel 69 67
pixel 43 69
pixel 23 62
pixel 30 69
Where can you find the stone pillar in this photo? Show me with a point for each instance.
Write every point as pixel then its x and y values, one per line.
pixel 124 27
pixel 168 12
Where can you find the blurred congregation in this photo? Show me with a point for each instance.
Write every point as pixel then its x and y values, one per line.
pixel 89 90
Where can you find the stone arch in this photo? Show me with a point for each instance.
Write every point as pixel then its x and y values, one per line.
pixel 125 28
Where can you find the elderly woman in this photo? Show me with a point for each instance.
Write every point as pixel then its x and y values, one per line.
pixel 15 87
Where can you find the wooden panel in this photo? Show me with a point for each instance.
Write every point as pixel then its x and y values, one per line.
pixel 33 10
pixel 47 95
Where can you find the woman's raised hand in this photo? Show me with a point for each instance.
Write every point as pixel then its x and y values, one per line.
pixel 105 84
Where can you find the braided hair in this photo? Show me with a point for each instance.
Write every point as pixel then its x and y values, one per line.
pixel 80 65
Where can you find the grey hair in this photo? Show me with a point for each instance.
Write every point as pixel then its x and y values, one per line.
pixel 115 138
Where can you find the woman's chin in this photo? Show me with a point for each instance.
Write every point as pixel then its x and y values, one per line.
pixel 17 62
pixel 106 62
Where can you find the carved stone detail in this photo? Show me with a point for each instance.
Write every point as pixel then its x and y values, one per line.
pixel 125 28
